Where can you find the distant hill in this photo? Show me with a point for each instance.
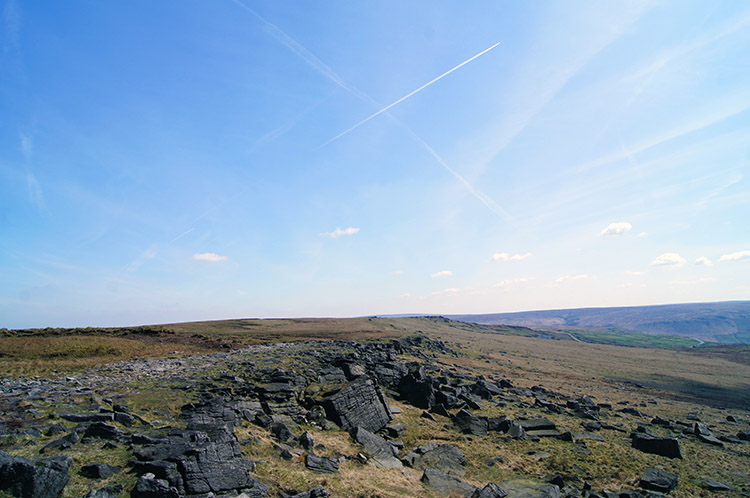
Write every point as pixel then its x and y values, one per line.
pixel 724 322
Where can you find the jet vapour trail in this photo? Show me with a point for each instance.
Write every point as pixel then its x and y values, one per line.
pixel 483 198
pixel 330 74
pixel 384 109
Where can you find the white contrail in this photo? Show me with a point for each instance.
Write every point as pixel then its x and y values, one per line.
pixel 483 198
pixel 323 68
pixel 381 111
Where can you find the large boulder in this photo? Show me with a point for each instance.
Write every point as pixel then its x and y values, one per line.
pixel 491 490
pixel 198 462
pixel 321 465
pixel 446 484
pixel 658 480
pixel 358 404
pixel 381 452
pixel 530 488
pixel 443 457
pixel 648 442
pixel 469 424
pixel 417 389
pixel 44 478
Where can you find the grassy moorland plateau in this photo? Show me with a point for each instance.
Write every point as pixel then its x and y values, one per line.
pixel 387 407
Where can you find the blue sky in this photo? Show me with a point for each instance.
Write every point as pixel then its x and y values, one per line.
pixel 184 160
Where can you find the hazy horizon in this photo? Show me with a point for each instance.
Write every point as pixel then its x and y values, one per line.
pixel 172 162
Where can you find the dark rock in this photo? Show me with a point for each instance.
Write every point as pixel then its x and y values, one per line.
pixel 443 457
pixel 469 424
pixel 530 488
pixel 306 441
pixel 359 404
pixel 381 453
pixel 427 415
pixel 537 424
pixel 316 492
pixel 446 484
pixel 716 486
pixel 55 429
pixel 101 493
pixel 321 465
pixel 150 487
pixel 100 430
pixel 125 419
pixel 44 478
pixel 99 470
pixel 648 442
pixel 440 409
pixel 516 431
pixel 63 443
pixel 417 389
pixel 281 432
pixel 744 435
pixel 658 480
pixel 87 417
pixel 498 424
pixel 394 429
pixel 491 490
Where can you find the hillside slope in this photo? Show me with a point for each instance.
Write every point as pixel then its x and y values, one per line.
pixel 723 322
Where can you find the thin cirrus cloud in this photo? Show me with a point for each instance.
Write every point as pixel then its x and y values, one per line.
pixel 571 278
pixel 340 232
pixel 211 257
pixel 703 261
pixel 442 273
pixel 504 256
pixel 735 256
pixel 617 228
pixel 669 259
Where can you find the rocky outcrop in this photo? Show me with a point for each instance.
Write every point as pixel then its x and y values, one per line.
pixel 43 478
pixel 358 404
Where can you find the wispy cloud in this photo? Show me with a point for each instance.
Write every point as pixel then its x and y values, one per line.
pixel 211 257
pixel 571 278
pixel 434 80
pixel 442 273
pixel 504 256
pixel 617 228
pixel 340 232
pixel 397 272
pixel 36 195
pixel 669 259
pixel 483 198
pixel 703 261
pixel 634 273
pixel 12 19
pixel 445 292
pixel 735 256
pixel 149 253
pixel 642 234
pixel 702 280
pixel 514 281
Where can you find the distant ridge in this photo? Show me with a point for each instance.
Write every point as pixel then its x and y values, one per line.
pixel 725 322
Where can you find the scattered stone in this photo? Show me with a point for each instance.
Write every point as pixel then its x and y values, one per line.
pixel 321 465
pixel 716 486
pixel 648 442
pixel 316 492
pixel 99 470
pixel 63 443
pixel 530 488
pixel 491 490
pixel 150 487
pixel 469 424
pixel 658 480
pixel 381 453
